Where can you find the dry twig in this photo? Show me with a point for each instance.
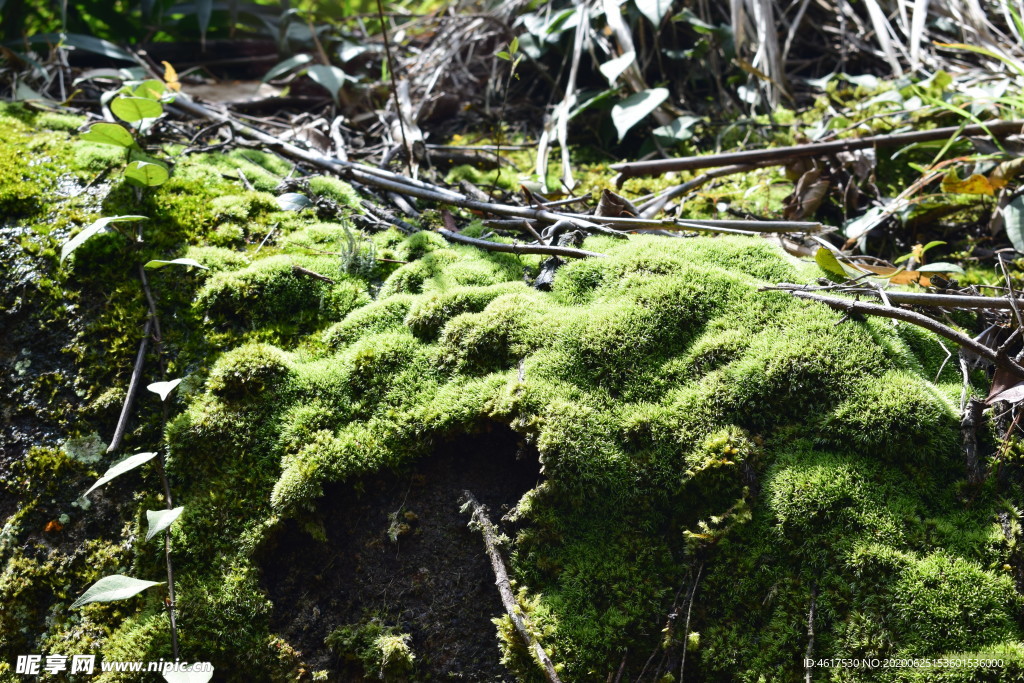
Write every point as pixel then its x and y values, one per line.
pixel 508 599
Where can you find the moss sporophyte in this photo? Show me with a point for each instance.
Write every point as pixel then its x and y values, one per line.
pixel 683 423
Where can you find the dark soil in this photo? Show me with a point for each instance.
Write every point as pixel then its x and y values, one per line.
pixel 434 582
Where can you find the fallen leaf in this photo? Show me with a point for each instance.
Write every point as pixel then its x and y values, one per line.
pixel 975 184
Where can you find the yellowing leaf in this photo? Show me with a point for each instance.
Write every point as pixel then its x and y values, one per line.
pixel 976 184
pixel 171 77
pixel 828 262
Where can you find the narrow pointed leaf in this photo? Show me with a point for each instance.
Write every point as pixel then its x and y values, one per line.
pixel 94 229
pixel 614 68
pixel 126 465
pixel 1013 215
pixel 635 109
pixel 204 10
pixel 158 520
pixel 132 109
pixel 287 66
pixel 329 77
pixel 108 134
pixel 113 587
pixel 147 174
pixel 654 10
pixel 192 263
pixel 82 42
pixel 163 389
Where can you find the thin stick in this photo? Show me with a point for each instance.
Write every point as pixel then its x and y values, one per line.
pixel 783 154
pixel 394 88
pixel 915 298
pixel 508 598
pixel 810 635
pixel 133 387
pixel 686 629
pixel 518 248
pixel 1001 360
pixel 154 317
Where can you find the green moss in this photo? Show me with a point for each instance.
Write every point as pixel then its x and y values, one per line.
pixel 271 292
pixel 335 189
pixel 374 650
pixel 687 425
pixel 249 371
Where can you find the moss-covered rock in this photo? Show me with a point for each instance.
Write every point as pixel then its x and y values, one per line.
pixel 704 448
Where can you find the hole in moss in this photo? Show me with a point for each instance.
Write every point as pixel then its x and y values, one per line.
pixel 398 552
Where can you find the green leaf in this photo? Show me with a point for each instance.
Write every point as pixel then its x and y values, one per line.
pixel 614 68
pixel 681 129
pixel 933 243
pixel 151 89
pixel 329 77
pixel 829 263
pixel 654 10
pixel 504 55
pixel 126 465
pixel 108 134
pixel 635 109
pixel 204 10
pixel 191 263
pixel 147 174
pixel 163 389
pixel 288 65
pixel 1013 64
pixel 1013 217
pixel 158 520
pixel 94 229
pixel 78 41
pixel 188 676
pixel 513 47
pixel 132 109
pixel 940 267
pixel 293 201
pixel 113 587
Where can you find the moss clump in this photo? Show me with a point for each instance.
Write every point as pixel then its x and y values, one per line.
pixel 270 292
pixel 335 189
pixel 249 371
pixel 381 652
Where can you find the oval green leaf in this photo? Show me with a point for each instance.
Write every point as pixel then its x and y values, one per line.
pixel 147 174
pixel 113 587
pixel 108 134
pixel 158 520
pixel 635 109
pixel 132 109
pixel 293 201
pixel 126 465
pixel 829 263
pixel 151 89
pixel 940 267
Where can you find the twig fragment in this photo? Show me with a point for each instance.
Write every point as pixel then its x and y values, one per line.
pixel 481 522
pixel 783 154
